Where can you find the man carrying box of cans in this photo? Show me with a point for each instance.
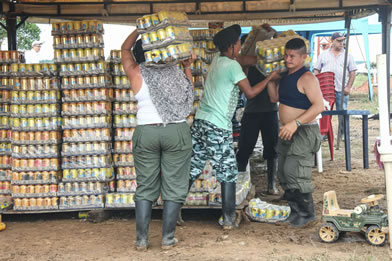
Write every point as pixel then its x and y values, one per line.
pixel 212 136
pixel 300 101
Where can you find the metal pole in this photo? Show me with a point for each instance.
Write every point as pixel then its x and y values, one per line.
pixel 386 47
pixel 11 28
pixel 347 24
pixel 385 147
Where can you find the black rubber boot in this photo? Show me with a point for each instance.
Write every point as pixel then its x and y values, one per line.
pixel 294 210
pixel 180 221
pixel 306 210
pixel 169 216
pixel 271 170
pixel 143 217
pixel 228 205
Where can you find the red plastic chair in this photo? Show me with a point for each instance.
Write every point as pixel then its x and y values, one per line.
pixel 327 87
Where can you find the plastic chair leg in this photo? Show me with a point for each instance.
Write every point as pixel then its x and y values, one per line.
pixel 330 142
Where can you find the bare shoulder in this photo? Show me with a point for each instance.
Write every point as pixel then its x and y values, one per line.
pixel 309 79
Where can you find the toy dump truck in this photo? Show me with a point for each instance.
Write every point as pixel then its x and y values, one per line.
pixel 367 218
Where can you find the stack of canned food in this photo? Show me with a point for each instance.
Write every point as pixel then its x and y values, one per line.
pixel 36 69
pixel 124 110
pixel 199 192
pixel 165 36
pixel 35 121
pixel 6 57
pixel 78 41
pixel 87 110
pixel 270 54
pixel 202 38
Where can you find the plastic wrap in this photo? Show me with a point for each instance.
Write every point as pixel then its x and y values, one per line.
pixel 35 124
pixel 126 173
pixel 98 68
pixel 264 212
pixel 101 94
pixel 122 147
pixel 165 36
pixel 123 160
pixel 123 134
pixel 28 191
pixel 121 82
pixel 86 55
pixel 78 27
pixel 86 201
pixel 126 185
pixel 35 151
pixel 118 200
pixel 95 174
pixel 34 178
pixel 5 187
pixel 66 41
pixel 82 122
pixel 124 95
pixel 125 121
pixel 43 164
pixel 124 108
pixel 30 70
pixel 86 148
pixel 35 110
pixel 81 188
pixel 86 135
pixel 36 203
pixel 169 55
pixel 197 199
pixel 5 175
pixel 160 20
pixel 80 162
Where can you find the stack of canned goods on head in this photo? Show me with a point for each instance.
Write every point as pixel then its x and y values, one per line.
pixel 124 110
pixel 165 37
pixel 270 53
pixel 87 110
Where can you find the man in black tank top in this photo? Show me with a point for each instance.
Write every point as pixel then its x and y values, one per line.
pixel 301 101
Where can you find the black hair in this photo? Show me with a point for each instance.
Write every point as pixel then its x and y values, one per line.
pixel 227 37
pixel 138 52
pixel 296 44
pixel 224 46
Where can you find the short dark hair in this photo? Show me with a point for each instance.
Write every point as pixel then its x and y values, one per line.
pixel 227 37
pixel 138 52
pixel 296 44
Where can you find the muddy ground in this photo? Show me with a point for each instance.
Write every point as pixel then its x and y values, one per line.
pixel 65 237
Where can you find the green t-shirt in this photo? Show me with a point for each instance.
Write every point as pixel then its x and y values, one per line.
pixel 221 92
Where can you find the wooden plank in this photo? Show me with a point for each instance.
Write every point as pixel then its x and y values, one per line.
pixel 221 7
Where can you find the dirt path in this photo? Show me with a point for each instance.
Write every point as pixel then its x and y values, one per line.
pixel 202 239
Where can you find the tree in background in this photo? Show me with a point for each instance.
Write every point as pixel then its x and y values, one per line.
pixel 26 34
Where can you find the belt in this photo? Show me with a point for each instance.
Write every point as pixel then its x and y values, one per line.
pixel 160 124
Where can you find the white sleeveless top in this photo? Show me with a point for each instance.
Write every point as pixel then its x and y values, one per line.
pixel 147 112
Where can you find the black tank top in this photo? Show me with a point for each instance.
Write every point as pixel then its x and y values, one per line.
pixel 288 91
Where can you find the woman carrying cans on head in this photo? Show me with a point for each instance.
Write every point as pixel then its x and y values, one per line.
pixel 162 143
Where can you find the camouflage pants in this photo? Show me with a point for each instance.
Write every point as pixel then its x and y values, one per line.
pixel 215 144
pixel 295 158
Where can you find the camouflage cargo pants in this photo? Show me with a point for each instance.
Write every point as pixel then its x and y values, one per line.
pixel 295 158
pixel 215 144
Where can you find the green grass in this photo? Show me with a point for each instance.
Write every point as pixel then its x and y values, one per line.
pixel 359 80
